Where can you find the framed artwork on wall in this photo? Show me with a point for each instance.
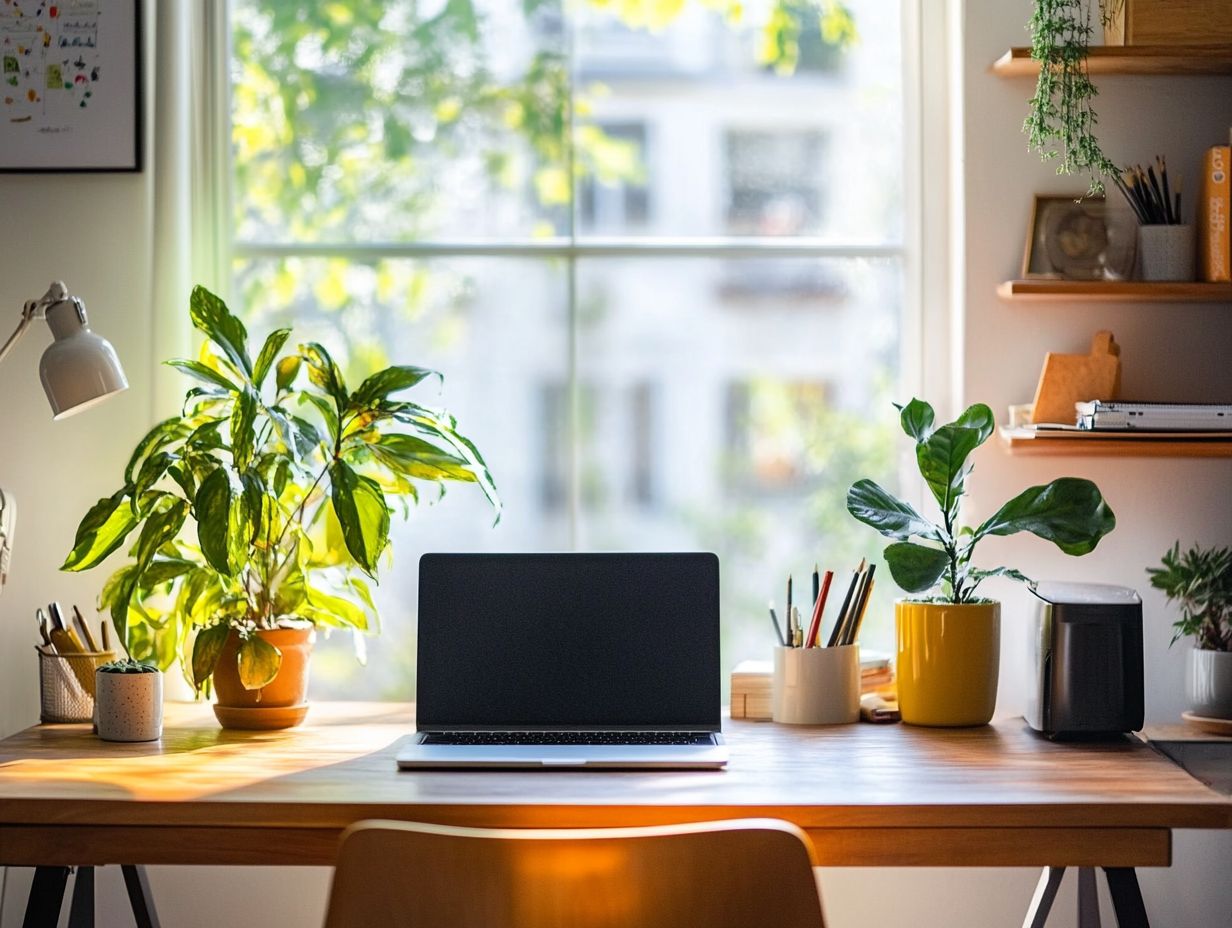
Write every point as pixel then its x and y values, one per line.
pixel 70 85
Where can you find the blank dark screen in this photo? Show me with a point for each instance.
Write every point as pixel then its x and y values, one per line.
pixel 568 640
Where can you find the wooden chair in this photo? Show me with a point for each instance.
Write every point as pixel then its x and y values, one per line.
pixel 746 873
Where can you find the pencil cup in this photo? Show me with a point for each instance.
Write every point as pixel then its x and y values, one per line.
pixel 816 686
pixel 66 685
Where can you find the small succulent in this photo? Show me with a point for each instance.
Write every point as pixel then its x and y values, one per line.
pixel 127 665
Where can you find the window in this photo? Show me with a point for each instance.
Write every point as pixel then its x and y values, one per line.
pixel 656 249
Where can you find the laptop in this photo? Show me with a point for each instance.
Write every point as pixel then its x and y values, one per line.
pixel 567 661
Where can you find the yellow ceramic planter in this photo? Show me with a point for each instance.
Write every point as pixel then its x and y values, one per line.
pixel 948 660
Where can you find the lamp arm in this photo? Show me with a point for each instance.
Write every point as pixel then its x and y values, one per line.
pixel 28 315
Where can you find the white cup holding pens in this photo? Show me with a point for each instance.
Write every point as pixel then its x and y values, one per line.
pixel 816 686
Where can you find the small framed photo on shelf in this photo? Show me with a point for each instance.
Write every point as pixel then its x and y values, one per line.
pixel 1066 239
pixel 72 78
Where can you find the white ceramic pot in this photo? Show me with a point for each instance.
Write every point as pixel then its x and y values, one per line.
pixel 1166 252
pixel 816 686
pixel 1210 683
pixel 129 706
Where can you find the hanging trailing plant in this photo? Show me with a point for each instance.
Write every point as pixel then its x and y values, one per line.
pixel 1061 120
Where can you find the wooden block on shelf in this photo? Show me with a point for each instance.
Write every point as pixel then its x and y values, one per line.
pixel 1169 22
pixel 1076 378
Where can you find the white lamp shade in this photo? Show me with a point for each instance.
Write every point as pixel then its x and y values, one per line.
pixel 80 368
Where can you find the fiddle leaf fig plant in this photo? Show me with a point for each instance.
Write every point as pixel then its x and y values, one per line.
pixel 266 502
pixel 1070 512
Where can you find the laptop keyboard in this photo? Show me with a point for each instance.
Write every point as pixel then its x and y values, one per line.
pixel 568 737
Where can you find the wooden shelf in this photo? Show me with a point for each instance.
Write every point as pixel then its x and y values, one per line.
pixel 1113 291
pixel 1130 59
pixel 1104 444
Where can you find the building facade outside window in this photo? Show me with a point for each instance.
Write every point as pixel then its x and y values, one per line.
pixel 657 251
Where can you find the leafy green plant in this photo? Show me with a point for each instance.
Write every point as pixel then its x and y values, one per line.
pixel 1070 512
pixel 266 502
pixel 1061 120
pixel 127 665
pixel 1200 582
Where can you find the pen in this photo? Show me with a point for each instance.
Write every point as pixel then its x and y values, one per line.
pixel 842 610
pixel 797 632
pixel 816 586
pixel 42 626
pixel 810 640
pixel 83 630
pixel 774 620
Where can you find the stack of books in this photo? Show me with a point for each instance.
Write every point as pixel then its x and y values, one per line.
pixel 751 684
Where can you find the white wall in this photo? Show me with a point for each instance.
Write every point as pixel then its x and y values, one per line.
pixel 91 231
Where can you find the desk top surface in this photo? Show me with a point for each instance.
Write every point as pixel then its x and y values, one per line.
pixel 339 766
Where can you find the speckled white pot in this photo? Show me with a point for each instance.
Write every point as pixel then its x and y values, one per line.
pixel 129 706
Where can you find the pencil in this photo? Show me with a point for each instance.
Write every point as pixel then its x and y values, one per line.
pixel 853 632
pixel 774 620
pixel 818 607
pixel 849 617
pixel 842 610
pixel 790 630
pixel 816 585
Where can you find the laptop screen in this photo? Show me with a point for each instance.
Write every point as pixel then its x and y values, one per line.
pixel 568 641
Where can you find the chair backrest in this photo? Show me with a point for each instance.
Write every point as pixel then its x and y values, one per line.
pixel 745 873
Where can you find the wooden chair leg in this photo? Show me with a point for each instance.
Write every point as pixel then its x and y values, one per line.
pixel 1045 892
pixel 81 909
pixel 1088 899
pixel 1126 897
pixel 139 896
pixel 46 897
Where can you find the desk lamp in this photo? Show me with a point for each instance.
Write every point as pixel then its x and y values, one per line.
pixel 79 370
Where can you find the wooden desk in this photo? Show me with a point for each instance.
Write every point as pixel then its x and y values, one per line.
pixel 868 795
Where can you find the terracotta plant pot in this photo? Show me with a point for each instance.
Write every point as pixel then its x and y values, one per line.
pixel 949 658
pixel 280 704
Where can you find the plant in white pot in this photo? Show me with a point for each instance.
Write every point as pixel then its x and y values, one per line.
pixel 262 511
pixel 948 644
pixel 128 701
pixel 1200 582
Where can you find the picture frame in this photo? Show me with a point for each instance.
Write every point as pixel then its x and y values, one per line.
pixel 71 96
pixel 1067 238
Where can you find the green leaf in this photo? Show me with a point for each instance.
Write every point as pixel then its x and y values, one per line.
pixel 876 507
pixel 243 429
pixel 273 344
pixel 915 568
pixel 285 371
pixel 202 372
pixel 258 663
pixel 977 575
pixel 102 530
pixel 391 380
pixel 223 526
pixel 165 432
pixel 152 470
pixel 942 458
pixel 444 428
pixel 211 316
pixel 164 570
pixel 328 413
pixel 324 373
pixel 161 526
pixel 1070 512
pixel 917 419
pixel 335 611
pixel 414 457
pixel 980 418
pixel 206 649
pixel 362 513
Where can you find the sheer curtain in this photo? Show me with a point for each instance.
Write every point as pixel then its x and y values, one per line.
pixel 189 177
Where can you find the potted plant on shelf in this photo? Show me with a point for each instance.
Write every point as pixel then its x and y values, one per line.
pixel 1200 582
pixel 128 701
pixel 948 644
pixel 262 511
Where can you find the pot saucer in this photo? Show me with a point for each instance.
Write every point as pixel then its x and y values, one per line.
pixel 260 718
pixel 1208 724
